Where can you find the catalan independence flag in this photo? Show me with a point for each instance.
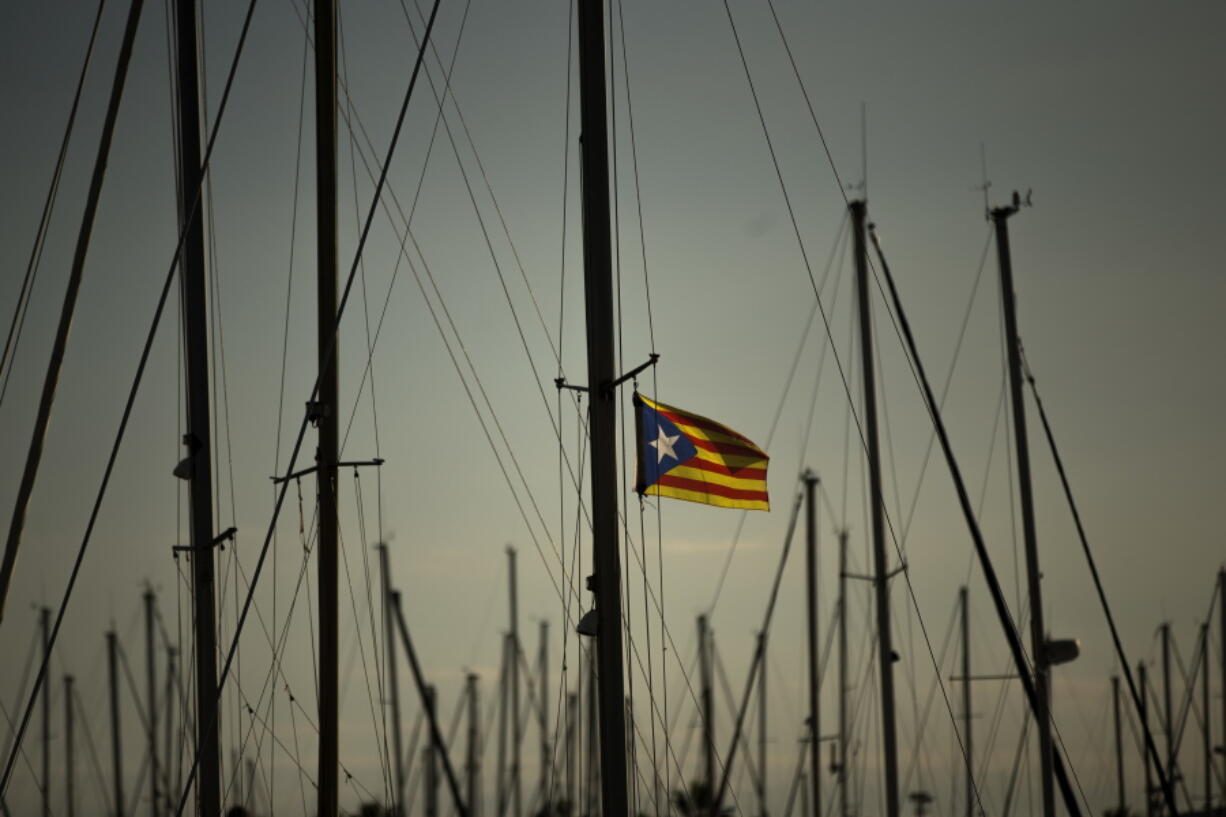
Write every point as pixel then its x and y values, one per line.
pixel 685 456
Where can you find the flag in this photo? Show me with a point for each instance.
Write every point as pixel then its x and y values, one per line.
pixel 686 456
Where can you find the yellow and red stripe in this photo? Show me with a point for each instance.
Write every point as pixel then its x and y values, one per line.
pixel 728 470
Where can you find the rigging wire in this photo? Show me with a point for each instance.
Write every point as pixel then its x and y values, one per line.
pixel 331 351
pixel 21 308
pixel 4 780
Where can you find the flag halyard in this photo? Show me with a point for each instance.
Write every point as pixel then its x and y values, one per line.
pixel 687 456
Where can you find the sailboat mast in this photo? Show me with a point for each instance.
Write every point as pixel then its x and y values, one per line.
pixel 542 689
pixel 885 641
pixel 815 754
pixel 602 406
pixel 1165 630
pixel 431 756
pixel 328 408
pixel 572 707
pixel 473 755
pixel 517 803
pixel 1038 635
pixel 1143 680
pixel 500 779
pixel 393 685
pixel 116 753
pixel 70 771
pixel 45 623
pixel 1207 747
pixel 844 808
pixel 708 710
pixel 1221 599
pixel 198 435
pixel 1119 747
pixel 966 702
pixel 151 680
pixel 762 810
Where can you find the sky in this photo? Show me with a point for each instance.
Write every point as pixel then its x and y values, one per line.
pixel 1109 113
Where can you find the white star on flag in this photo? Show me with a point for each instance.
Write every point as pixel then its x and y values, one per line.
pixel 664 446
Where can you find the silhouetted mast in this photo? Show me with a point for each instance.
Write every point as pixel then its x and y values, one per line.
pixel 602 405
pixel 885 641
pixel 197 467
pixel 1143 680
pixel 1167 710
pixel 1121 802
pixel 572 706
pixel 844 808
pixel 152 716
pixel 500 777
pixel 1206 724
pixel 326 411
pixel 431 757
pixel 472 768
pixel 966 702
pixel 44 618
pixel 811 621
pixel 1221 598
pixel 543 699
pixel 708 711
pixel 70 768
pixel 389 628
pixel 116 753
pixel 762 810
pixel 517 804
pixel 1038 636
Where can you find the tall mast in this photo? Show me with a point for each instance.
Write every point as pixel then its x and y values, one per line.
pixel 1121 802
pixel 151 680
pixel 844 809
pixel 517 803
pixel 198 438
pixel 393 686
pixel 708 710
pixel 543 700
pixel 811 620
pixel 500 778
pixel 966 702
pixel 1206 726
pixel 631 763
pixel 328 408
pixel 572 706
pixel 70 769
pixel 431 758
pixel 1221 598
pixel 1038 635
pixel 172 782
pixel 116 753
pixel 762 810
pixel 472 769
pixel 1167 711
pixel 45 624
pixel 593 739
pixel 1143 680
pixel 602 406
pixel 885 641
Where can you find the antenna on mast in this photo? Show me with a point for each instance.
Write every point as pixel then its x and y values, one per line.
pixel 862 185
pixel 864 148
pixel 985 184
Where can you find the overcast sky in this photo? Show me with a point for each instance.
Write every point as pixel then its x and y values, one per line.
pixel 1111 113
